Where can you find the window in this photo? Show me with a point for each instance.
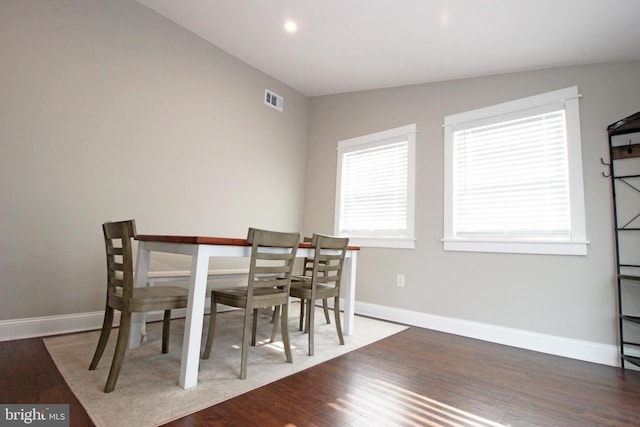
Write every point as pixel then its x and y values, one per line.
pixel 513 177
pixel 375 188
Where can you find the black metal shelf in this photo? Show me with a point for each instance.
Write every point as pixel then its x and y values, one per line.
pixel 630 154
pixel 626 176
pixel 631 359
pixel 632 319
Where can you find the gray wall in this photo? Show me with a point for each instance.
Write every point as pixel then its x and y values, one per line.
pixel 109 111
pixel 566 296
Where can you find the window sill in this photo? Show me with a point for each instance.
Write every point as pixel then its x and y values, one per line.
pixel 517 247
pixel 382 243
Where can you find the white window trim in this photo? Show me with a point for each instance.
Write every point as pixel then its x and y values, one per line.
pixel 577 245
pixel 408 241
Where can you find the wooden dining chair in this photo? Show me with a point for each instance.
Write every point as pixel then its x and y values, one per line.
pixel 328 260
pixel 123 296
pixel 272 259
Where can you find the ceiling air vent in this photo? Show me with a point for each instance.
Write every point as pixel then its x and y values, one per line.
pixel 273 100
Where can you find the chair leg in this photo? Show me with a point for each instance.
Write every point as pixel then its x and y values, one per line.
pixel 310 306
pixel 301 314
pixel 274 320
pixel 255 327
pixel 212 329
pixel 325 305
pixel 311 315
pixel 107 324
pixel 166 328
pixel 336 311
pixel 285 332
pixel 118 355
pixel 246 335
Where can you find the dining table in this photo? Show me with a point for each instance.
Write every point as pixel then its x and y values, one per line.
pixel 202 249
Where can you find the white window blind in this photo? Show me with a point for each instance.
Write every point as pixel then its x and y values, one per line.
pixel 374 196
pixel 375 188
pixel 512 179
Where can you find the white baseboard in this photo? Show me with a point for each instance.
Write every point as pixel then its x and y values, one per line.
pixel 566 347
pixel 50 325
pixel 67 323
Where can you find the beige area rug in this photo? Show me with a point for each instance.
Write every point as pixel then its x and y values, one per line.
pixel 147 392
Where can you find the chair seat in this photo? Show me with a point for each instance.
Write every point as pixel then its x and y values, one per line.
pixel 156 298
pixel 237 296
pixel 242 290
pixel 302 287
pixel 157 292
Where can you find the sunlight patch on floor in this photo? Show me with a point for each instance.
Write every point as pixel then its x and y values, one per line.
pixel 383 402
pixel 276 346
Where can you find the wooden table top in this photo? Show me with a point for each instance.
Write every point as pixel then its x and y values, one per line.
pixel 209 240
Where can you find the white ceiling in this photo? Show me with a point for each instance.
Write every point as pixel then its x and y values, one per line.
pixel 351 45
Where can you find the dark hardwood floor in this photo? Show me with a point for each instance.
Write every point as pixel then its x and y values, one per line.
pixel 415 378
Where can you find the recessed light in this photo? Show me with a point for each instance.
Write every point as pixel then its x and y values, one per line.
pixel 290 26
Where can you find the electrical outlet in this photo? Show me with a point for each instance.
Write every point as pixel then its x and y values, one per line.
pixel 400 280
